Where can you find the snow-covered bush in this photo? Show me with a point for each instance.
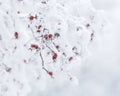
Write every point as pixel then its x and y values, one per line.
pixel 43 43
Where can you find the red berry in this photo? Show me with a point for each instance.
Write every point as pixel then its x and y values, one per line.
pixel 39 26
pixel 31 17
pixel 57 46
pixel 50 35
pixel 54 56
pixel 50 73
pixel 16 35
pixel 34 46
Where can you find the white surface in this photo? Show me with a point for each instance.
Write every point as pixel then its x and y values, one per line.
pixel 94 73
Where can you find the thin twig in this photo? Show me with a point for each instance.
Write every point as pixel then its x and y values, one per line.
pixel 49 48
pixel 42 60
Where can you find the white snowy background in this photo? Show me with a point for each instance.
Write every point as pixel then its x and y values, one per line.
pixel 96 72
pixel 106 61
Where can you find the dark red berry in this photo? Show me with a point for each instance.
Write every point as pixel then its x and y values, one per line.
pixel 50 73
pixel 16 35
pixel 39 26
pixel 54 56
pixel 34 46
pixel 31 17
pixel 57 46
pixel 50 35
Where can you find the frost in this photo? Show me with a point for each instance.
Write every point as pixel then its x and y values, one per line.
pixel 43 43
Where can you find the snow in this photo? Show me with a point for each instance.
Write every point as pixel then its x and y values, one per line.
pixel 106 59
pixel 32 65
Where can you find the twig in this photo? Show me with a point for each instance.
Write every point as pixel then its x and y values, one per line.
pixel 49 48
pixel 42 60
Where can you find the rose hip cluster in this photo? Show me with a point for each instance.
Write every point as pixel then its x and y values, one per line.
pixel 43 37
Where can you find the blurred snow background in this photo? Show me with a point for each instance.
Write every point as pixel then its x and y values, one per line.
pixel 104 64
